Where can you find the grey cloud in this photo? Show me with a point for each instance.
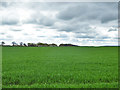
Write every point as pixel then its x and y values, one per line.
pixel 6 4
pixel 79 18
pixel 40 19
pixel 70 13
pixel 86 36
pixel 9 36
pixel 31 20
pixel 90 35
pixel 2 33
pixel 37 29
pixel 104 37
pixel 90 11
pixel 11 18
pixel 9 22
pixel 108 17
pixel 98 40
pixel 9 14
pixel 6 39
pixel 48 5
pixel 61 36
pixel 40 36
pixel 16 30
pixel 112 30
pixel 25 34
pixel 75 27
pixel 45 21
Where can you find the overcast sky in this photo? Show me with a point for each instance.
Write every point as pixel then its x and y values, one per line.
pixel 86 24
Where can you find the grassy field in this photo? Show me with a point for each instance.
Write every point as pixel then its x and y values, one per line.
pixel 60 67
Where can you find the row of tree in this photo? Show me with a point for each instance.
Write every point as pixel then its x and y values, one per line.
pixel 36 44
pixel 14 44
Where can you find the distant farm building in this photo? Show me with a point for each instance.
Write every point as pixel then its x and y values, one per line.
pixel 52 45
pixel 32 45
pixel 66 45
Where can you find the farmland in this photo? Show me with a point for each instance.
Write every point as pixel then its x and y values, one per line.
pixel 60 67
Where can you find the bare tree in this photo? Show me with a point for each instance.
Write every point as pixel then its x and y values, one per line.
pixel 2 43
pixel 13 43
pixel 24 44
pixel 21 43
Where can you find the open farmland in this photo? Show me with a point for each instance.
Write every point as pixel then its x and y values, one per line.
pixel 60 67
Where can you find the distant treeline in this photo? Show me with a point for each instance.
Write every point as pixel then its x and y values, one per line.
pixel 36 44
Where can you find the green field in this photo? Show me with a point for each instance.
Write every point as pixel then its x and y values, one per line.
pixel 60 67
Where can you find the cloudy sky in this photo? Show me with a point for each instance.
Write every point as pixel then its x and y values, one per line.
pixel 85 24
